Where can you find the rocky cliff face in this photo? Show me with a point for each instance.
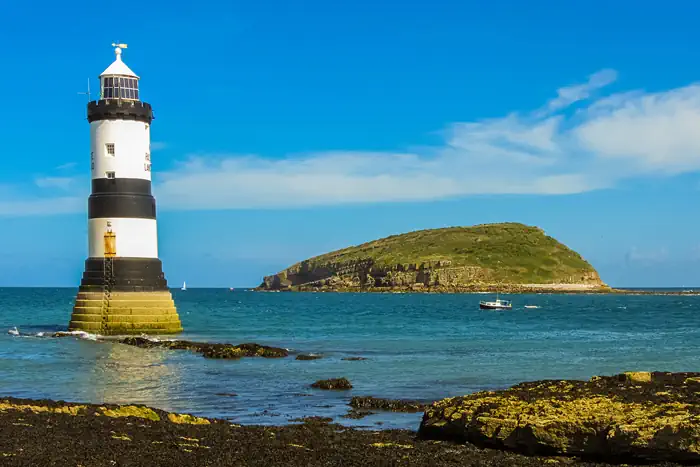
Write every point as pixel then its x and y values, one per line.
pixel 433 275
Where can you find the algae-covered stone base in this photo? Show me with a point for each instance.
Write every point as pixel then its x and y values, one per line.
pixel 48 433
pixel 125 313
pixel 637 415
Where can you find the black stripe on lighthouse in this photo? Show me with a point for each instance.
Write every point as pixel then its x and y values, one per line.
pixel 129 275
pixel 121 197
pixel 135 186
pixel 117 205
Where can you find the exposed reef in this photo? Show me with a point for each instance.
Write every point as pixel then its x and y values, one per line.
pixel 636 416
pixel 226 351
pixel 362 406
pixel 308 357
pixel 392 405
pixel 334 383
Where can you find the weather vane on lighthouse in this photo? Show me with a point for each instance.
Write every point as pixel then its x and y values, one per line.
pixel 123 290
pixel 118 47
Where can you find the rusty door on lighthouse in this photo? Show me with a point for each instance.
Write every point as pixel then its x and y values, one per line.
pixel 110 239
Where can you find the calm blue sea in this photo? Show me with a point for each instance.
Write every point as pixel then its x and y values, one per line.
pixel 418 346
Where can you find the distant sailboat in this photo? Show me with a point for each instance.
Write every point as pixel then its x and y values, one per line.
pixel 184 285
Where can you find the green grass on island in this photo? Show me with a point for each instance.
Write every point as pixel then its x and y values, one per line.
pixel 517 253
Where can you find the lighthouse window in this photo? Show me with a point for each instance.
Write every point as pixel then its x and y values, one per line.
pixel 109 174
pixel 110 149
pixel 120 88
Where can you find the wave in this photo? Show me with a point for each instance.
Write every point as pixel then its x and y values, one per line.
pixel 79 334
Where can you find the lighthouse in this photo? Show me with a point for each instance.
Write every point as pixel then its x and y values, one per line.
pixel 123 288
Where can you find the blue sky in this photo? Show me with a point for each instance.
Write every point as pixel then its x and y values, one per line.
pixel 287 129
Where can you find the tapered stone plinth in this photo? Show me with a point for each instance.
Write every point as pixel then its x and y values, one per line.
pixel 124 312
pixel 124 296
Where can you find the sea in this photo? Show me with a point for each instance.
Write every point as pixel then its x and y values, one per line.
pixel 417 346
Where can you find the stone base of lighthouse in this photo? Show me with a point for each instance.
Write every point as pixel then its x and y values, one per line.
pixel 124 296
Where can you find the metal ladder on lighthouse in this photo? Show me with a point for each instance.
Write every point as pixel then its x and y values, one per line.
pixel 107 284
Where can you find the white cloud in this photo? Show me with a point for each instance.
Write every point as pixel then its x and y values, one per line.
pixel 549 151
pixel 636 255
pixel 66 166
pixel 552 150
pixel 516 154
pixel 17 201
pixel 571 94
pixel 63 183
pixel 655 131
pixel 42 206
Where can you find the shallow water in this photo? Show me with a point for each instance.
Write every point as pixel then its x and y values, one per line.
pixel 418 346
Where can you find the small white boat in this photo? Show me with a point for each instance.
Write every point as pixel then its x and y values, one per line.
pixel 497 304
pixel 531 306
pixel 184 285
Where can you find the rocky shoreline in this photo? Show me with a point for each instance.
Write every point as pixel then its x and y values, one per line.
pixel 635 418
pixel 543 289
pixel 50 433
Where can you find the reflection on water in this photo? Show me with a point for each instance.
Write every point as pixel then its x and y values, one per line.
pixel 123 374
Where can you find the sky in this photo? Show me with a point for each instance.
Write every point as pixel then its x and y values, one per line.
pixel 285 130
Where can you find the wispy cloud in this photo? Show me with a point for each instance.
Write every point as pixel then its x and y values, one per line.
pixel 637 255
pixel 571 94
pixel 66 166
pixel 653 132
pixel 553 150
pixel 158 145
pixel 42 206
pixel 66 196
pixel 63 183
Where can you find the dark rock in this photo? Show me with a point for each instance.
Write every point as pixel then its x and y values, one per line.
pixel 213 350
pixel 635 416
pixel 353 359
pixel 265 413
pixel 357 414
pixel 145 343
pixel 315 420
pixel 226 394
pixel 308 357
pixel 393 405
pixel 335 383
pixel 257 350
pixel 222 351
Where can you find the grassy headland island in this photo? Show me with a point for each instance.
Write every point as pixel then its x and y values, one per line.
pixel 506 257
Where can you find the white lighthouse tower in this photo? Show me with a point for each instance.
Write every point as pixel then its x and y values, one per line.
pixel 123 290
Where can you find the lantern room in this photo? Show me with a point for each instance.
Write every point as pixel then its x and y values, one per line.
pixel 118 81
